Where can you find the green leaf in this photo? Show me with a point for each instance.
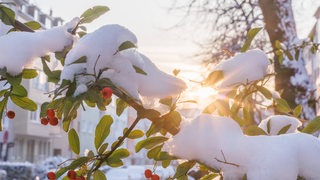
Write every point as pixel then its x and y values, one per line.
pixel 269 126
pixel 74 141
pixel 93 13
pixel 126 45
pixel 166 101
pixel 102 130
pixel 312 126
pixel 135 134
pixel 7 15
pixel 153 153
pixel 284 129
pixel 82 59
pixel 114 162
pixel 251 34
pixel 282 105
pixel 164 156
pixel 297 111
pixel 99 175
pixel 34 25
pixel 166 163
pixel 120 153
pixel 29 73
pixel 24 102
pixel 266 93
pixel 121 106
pixel 150 142
pixel 43 110
pixel 74 164
pixel 3 104
pixel 138 70
pixel 103 148
pixel 288 54
pixel 213 78
pixel 254 130
pixel 183 168
pixel 209 177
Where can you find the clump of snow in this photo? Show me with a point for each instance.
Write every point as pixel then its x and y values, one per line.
pixel 277 122
pixel 82 88
pixel 19 49
pixel 243 67
pixel 219 143
pixel 101 50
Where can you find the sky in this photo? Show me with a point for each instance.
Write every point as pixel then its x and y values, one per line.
pixel 168 47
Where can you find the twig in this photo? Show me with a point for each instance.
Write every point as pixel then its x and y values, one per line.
pixel 225 160
pixel 126 134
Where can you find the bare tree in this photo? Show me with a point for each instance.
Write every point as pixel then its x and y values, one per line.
pixel 231 19
pixel 227 20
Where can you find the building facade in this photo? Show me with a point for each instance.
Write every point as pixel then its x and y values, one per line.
pixel 24 138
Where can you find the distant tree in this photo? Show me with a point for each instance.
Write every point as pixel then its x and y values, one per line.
pixel 229 19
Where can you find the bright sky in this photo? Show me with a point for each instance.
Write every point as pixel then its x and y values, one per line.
pixel 148 19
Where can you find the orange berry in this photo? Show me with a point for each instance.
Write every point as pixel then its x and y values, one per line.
pixel 11 114
pixel 54 121
pixel 51 175
pixel 106 92
pixel 50 113
pixel 155 177
pixel 72 174
pixel 148 173
pixel 44 121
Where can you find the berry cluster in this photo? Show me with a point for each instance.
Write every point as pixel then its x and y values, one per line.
pixel 11 114
pixel 72 175
pixel 149 174
pixel 106 92
pixel 51 118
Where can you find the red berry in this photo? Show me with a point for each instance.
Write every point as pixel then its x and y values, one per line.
pixel 54 121
pixel 50 113
pixel 11 114
pixel 155 177
pixel 106 92
pixel 51 176
pixel 44 121
pixel 148 173
pixel 72 174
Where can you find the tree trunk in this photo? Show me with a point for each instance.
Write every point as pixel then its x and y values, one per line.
pixel 280 25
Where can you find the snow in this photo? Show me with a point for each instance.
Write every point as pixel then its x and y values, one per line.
pixel 219 143
pixel 277 122
pixel 101 50
pixel 243 67
pixel 20 49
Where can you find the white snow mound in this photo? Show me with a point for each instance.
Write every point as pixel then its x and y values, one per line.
pixel 277 122
pixel 20 49
pixel 219 143
pixel 243 67
pixel 100 48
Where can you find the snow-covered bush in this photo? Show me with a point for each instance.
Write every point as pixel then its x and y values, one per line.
pixel 16 170
pixel 106 61
pixel 41 169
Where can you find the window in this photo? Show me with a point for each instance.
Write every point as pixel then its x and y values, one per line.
pixel 35 115
pixel 40 82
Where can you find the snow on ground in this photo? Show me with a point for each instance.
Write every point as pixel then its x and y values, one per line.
pixel 243 67
pixel 277 122
pixel 220 143
pixel 20 49
pixel 101 50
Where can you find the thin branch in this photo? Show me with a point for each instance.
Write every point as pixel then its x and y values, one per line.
pixel 225 161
